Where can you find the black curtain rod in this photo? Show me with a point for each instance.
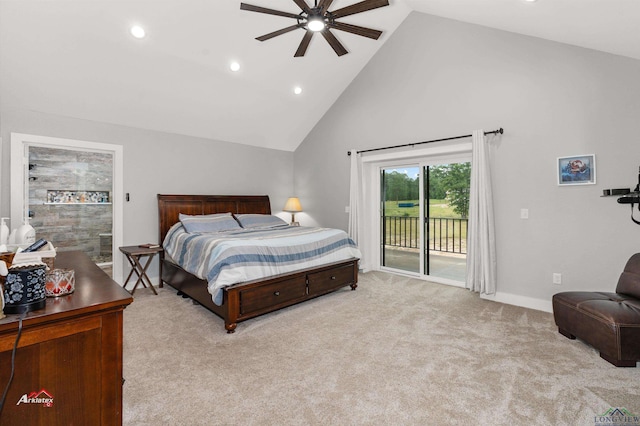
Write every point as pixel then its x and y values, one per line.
pixel 493 132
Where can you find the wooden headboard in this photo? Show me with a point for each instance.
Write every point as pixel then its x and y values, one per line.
pixel 170 206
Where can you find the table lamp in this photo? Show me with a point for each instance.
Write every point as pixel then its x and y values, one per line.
pixel 293 206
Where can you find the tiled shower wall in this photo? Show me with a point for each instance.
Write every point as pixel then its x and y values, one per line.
pixel 71 226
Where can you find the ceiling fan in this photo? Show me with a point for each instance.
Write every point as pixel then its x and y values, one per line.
pixel 319 19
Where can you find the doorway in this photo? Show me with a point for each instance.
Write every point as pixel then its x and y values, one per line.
pixel 424 218
pixel 70 200
pixel 70 190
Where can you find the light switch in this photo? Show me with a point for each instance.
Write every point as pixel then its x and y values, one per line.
pixel 524 213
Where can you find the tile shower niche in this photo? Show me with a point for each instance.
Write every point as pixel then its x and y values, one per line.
pixel 70 200
pixel 77 197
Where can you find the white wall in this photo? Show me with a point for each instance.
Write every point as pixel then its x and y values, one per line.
pixel 156 162
pixel 437 78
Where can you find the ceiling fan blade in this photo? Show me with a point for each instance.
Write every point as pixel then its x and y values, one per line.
pixel 302 5
pixel 363 6
pixel 279 32
pixel 355 29
pixel 324 5
pixel 334 43
pixel 252 8
pixel 302 49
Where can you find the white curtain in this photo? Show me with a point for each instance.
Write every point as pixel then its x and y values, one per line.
pixel 357 227
pixel 355 185
pixel 481 241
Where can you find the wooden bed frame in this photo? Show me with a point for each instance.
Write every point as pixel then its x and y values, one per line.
pixel 246 300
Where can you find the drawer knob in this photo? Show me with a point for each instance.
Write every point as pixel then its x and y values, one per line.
pixel 333 277
pixel 276 293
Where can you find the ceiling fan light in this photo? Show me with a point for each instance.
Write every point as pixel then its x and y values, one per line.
pixel 315 23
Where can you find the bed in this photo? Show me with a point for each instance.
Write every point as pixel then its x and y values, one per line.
pixel 249 299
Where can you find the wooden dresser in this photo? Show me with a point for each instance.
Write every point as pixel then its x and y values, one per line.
pixel 68 365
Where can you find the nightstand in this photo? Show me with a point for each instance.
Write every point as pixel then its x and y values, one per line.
pixel 134 254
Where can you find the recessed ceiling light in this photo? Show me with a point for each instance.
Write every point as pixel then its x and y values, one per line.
pixel 297 90
pixel 234 66
pixel 137 31
pixel 530 1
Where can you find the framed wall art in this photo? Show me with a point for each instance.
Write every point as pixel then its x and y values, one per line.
pixel 576 170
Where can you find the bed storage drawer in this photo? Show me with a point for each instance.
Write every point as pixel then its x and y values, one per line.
pixel 331 279
pixel 267 296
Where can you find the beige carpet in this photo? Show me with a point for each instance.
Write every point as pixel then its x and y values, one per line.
pixel 397 351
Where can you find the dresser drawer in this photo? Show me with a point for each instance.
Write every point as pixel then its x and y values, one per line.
pixel 331 279
pixel 271 295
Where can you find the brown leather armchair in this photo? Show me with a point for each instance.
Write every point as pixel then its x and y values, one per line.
pixel 610 322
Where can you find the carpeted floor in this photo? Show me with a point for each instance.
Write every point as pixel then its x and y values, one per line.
pixel 397 351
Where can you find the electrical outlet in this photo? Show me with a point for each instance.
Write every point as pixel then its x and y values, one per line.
pixel 557 278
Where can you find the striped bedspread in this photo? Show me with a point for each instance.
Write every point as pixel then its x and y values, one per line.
pixel 223 259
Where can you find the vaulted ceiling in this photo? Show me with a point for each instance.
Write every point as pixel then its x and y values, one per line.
pixel 77 58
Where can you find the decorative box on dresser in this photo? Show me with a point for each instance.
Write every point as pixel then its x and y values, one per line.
pixel 68 364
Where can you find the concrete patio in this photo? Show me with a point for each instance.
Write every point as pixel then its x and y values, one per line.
pixel 444 265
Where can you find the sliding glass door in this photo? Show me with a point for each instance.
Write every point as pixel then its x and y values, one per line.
pixel 446 189
pixel 423 218
pixel 400 218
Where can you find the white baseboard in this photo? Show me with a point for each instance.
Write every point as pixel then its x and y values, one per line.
pixel 501 297
pixel 523 301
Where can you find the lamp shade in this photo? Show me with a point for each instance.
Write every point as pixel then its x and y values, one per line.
pixel 293 205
